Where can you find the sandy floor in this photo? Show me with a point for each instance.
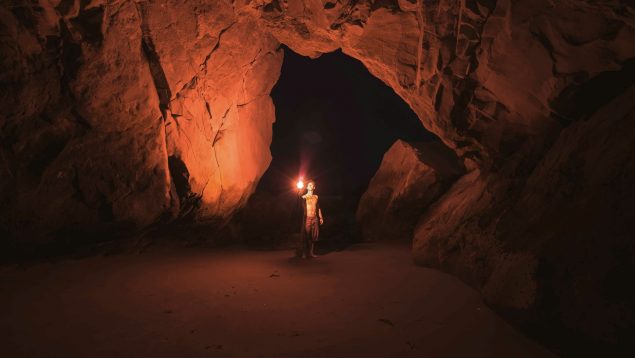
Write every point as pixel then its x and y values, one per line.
pixel 368 300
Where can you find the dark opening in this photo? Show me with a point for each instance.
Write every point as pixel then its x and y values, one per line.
pixel 334 122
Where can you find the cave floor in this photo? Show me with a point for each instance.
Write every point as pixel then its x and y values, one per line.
pixel 184 302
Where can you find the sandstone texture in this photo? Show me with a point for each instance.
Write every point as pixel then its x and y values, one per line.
pixel 124 114
pixel 410 178
pixel 504 84
pixel 555 254
pixel 118 115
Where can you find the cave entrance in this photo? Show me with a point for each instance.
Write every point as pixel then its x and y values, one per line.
pixel 334 122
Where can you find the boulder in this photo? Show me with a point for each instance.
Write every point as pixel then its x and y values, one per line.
pixel 554 255
pixel 410 178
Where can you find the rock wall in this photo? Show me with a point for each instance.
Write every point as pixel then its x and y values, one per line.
pixel 411 176
pixel 553 256
pixel 122 114
pixel 82 140
pixel 511 87
pixel 219 117
pixel 494 80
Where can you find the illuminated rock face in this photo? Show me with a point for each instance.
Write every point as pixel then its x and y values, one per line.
pixel 119 115
pixel 219 116
pixel 410 178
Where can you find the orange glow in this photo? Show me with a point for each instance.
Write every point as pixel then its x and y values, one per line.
pixel 299 184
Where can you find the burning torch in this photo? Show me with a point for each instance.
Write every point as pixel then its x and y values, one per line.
pixel 300 186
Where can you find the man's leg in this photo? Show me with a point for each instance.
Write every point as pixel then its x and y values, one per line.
pixel 306 239
pixel 315 232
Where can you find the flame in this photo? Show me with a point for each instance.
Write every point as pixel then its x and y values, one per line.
pixel 300 184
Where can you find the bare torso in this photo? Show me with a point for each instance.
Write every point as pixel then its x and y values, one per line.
pixel 311 205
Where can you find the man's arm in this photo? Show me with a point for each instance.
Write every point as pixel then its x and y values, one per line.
pixel 320 214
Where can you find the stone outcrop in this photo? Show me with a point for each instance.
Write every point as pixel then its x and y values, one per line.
pixel 219 121
pixel 82 137
pixel 502 83
pixel 482 75
pixel 122 114
pixel 410 178
pixel 553 255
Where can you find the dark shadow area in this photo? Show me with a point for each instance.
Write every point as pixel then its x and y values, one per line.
pixel 334 122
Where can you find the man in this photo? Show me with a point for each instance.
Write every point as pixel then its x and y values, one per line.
pixel 311 221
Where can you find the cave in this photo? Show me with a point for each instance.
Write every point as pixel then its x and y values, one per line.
pixel 334 123
pixel 139 138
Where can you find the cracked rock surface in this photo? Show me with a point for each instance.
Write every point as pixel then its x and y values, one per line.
pixel 123 114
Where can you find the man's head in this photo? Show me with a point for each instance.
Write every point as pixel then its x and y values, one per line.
pixel 310 186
